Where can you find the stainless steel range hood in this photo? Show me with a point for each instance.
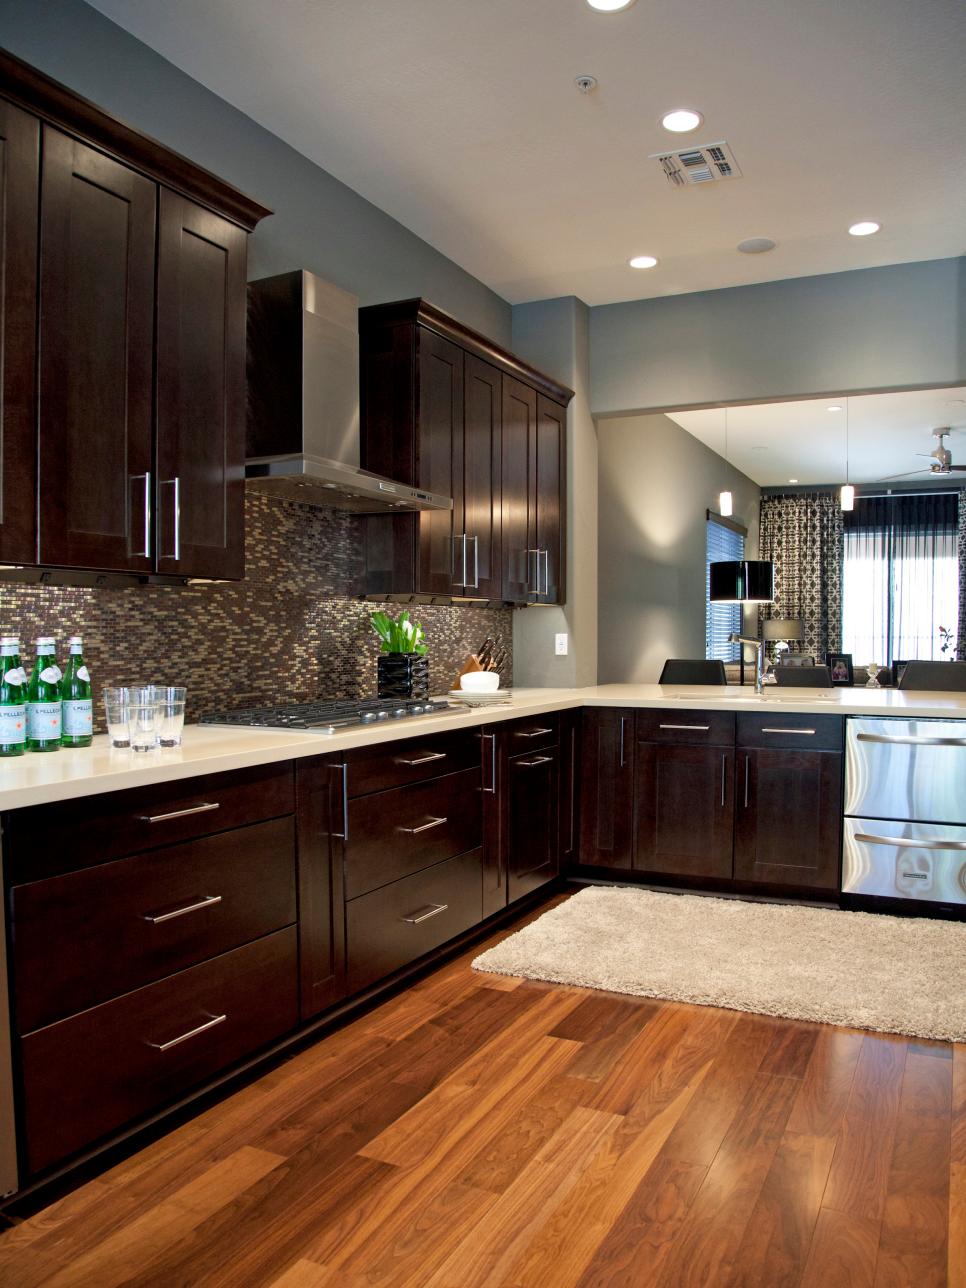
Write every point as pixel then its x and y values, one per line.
pixel 303 401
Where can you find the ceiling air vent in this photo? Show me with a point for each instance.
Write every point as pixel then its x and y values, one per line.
pixel 706 163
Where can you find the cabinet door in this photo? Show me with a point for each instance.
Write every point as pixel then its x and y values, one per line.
pixel 479 523
pixel 547 465
pixel 607 787
pixel 19 204
pixel 201 392
pixel 320 805
pixel 532 824
pixel 569 787
pixel 493 748
pixel 685 809
pixel 789 818
pixel 96 359
pixel 440 461
pixel 519 431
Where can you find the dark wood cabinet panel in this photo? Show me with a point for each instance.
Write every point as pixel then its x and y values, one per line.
pixel 685 810
pixel 381 766
pixel 200 491
pixel 319 793
pixel 479 522
pixel 532 802
pixel 548 461
pixel 96 361
pixel 493 749
pixel 19 206
pixel 791 729
pixel 713 728
pixel 788 817
pixel 607 787
pixel 439 459
pixel 569 787
pixel 519 432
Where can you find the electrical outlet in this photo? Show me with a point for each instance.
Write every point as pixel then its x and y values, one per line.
pixel 560 644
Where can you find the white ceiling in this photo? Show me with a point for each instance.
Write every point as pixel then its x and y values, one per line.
pixel 460 118
pixel 774 443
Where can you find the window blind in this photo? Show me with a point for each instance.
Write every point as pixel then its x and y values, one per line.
pixel 721 620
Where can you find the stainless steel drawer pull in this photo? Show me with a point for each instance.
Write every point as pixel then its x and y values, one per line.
pixel 414 831
pixel 180 813
pixel 422 760
pixel 208 901
pixel 537 760
pixel 700 728
pixel 806 733
pixel 912 740
pixel 491 790
pixel 908 842
pixel 532 733
pixel 424 914
pixel 192 1033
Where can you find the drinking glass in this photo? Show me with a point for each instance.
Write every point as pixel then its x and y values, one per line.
pixel 144 719
pixel 171 700
pixel 117 707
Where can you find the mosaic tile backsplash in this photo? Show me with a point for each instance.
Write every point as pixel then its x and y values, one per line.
pixel 294 629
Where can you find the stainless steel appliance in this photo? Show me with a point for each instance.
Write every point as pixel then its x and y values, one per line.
pixel 330 716
pixel 905 810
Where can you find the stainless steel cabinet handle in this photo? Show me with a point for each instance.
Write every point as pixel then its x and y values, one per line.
pixel 806 733
pixel 546 573
pixel 179 813
pixel 747 774
pixel 699 728
pixel 175 483
pixel 912 740
pixel 491 790
pixel 724 775
pixel 192 1033
pixel 908 842
pixel 146 552
pixel 537 760
pixel 422 760
pixel 532 733
pixel 425 827
pixel 475 583
pixel 621 760
pixel 433 910
pixel 344 834
pixel 208 901
pixel 533 583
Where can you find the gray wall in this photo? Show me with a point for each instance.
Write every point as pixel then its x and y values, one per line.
pixel 553 335
pixel 318 223
pixel 903 326
pixel 656 483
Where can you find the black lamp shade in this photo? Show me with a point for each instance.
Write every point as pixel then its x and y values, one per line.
pixel 750 582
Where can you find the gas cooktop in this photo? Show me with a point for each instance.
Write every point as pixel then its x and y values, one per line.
pixel 328 717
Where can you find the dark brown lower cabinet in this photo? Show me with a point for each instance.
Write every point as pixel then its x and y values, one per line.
pixel 532 807
pixel 607 788
pixel 685 809
pixel 569 790
pixel 319 804
pixel 788 817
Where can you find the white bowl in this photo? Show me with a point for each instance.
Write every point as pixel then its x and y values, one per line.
pixel 480 681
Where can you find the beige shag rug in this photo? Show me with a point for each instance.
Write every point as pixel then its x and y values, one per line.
pixel 894 974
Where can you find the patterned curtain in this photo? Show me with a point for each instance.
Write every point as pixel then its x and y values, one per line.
pixel 802 535
pixel 961 642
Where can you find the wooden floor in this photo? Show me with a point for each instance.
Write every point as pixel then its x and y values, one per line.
pixel 476 1130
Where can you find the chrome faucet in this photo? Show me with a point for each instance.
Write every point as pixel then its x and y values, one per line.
pixel 759 647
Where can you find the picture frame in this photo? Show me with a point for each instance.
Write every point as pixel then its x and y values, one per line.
pixel 898 666
pixel 840 669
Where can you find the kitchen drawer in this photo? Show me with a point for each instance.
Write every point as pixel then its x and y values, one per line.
pixel 707 728
pixel 393 926
pixel 126 923
pixel 530 735
pixel 401 831
pixel 799 732
pixel 94 1073
pixel 375 769
pixel 47 839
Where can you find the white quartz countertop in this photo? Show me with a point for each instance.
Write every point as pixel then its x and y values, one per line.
pixel 35 779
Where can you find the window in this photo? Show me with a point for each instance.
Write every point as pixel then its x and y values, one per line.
pixel 900 576
pixel 725 541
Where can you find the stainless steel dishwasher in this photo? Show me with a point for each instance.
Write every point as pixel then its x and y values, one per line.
pixel 905 810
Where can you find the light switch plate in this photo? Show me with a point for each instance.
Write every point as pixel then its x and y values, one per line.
pixel 560 644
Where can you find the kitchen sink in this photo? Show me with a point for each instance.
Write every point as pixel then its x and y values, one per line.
pixel 754 699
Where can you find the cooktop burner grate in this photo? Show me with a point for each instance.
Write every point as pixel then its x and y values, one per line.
pixel 328 716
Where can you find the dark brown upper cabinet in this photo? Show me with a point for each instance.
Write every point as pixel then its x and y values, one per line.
pixel 446 409
pixel 126 454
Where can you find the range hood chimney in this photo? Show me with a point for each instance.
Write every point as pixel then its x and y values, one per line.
pixel 303 401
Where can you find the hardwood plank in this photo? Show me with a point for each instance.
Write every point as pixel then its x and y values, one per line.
pixel 821 1104
pixel 842 1252
pixel 791 1050
pixel 956 1267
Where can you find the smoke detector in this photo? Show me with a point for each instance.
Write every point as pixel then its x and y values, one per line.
pixel 702 163
pixel 586 84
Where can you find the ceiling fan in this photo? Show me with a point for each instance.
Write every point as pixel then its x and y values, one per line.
pixel 941 457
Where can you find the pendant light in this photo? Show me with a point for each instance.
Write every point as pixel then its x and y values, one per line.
pixel 726 501
pixel 847 492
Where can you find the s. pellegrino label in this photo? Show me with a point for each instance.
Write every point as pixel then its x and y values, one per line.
pixel 13 698
pixel 44 699
pixel 76 694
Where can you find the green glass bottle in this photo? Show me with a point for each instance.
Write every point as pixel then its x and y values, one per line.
pixel 13 695
pixel 76 694
pixel 43 699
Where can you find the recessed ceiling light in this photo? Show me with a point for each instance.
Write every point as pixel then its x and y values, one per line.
pixel 793 480
pixel 682 120
pixel 836 407
pixel 756 245
pixel 642 261
pixel 610 6
pixel 865 228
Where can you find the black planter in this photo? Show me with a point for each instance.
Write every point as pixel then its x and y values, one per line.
pixel 403 675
